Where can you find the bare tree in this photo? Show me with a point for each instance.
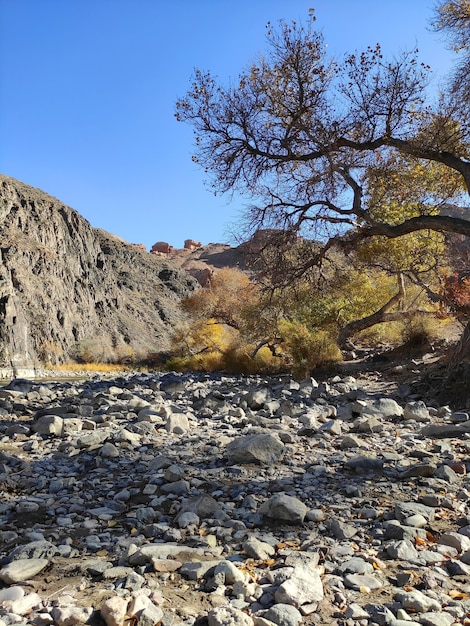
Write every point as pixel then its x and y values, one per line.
pixel 303 136
pixel 452 18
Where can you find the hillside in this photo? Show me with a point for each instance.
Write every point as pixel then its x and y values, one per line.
pixel 68 287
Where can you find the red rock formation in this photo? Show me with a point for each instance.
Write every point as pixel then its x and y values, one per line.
pixel 161 247
pixel 191 245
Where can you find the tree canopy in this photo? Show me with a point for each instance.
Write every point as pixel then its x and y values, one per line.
pixel 300 134
pixel 346 153
pixel 452 17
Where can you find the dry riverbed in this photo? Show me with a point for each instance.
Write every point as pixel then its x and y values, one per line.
pixel 210 499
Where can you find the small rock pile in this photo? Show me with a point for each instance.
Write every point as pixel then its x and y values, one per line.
pixel 190 499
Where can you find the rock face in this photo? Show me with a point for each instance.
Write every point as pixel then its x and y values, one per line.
pixel 68 287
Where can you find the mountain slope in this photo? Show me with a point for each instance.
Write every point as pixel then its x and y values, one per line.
pixel 65 286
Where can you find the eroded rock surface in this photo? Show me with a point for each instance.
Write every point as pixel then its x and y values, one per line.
pixel 67 288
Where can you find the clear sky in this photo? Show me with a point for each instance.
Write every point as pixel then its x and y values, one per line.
pixel 88 91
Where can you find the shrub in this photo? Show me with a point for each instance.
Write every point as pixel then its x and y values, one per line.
pixel 308 348
pixel 92 350
pixel 420 331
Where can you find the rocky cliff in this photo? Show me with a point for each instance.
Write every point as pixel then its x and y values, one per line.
pixel 68 288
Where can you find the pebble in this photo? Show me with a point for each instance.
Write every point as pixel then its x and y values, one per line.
pixel 244 501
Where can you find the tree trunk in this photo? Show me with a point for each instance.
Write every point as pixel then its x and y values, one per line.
pixel 382 315
pixel 453 387
pixel 461 354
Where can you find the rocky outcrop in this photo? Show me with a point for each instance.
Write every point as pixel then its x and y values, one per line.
pixel 66 287
pixel 161 247
pixel 191 244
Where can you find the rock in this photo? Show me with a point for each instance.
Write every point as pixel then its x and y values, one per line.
pixel 436 619
pixel 458 541
pixel 402 550
pixel 49 425
pixel 284 509
pixel 260 448
pixel 84 303
pixel 404 510
pixel 150 616
pixel 177 423
pixel 203 506
pixel 169 517
pixel 283 615
pixel 195 570
pixel 113 611
pixel 416 411
pixel 22 569
pixel 304 586
pixel 191 244
pixel 71 615
pixel 24 605
pixel 417 601
pixel 445 431
pixel 229 571
pixel 40 549
pixel 258 549
pixel 161 247
pixel 341 530
pixel 356 612
pixel 228 616
pixel 361 582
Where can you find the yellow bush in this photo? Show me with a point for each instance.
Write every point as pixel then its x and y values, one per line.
pixel 308 348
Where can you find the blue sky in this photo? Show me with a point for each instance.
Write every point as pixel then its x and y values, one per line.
pixel 89 89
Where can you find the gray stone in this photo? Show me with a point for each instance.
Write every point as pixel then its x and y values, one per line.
pixel 446 431
pixel 177 423
pixel 341 530
pixel 284 509
pixel 417 601
pixel 356 565
pixel 230 572
pixel 440 618
pixel 40 549
pixel 150 616
pixel 259 448
pixel 258 549
pixel 195 570
pixel 228 616
pixel 460 542
pixel 49 425
pixel 304 586
pixel 71 615
pixel 402 550
pixel 362 581
pixel 283 615
pixel 22 569
pixel 203 506
pixel 416 411
pixel 403 510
